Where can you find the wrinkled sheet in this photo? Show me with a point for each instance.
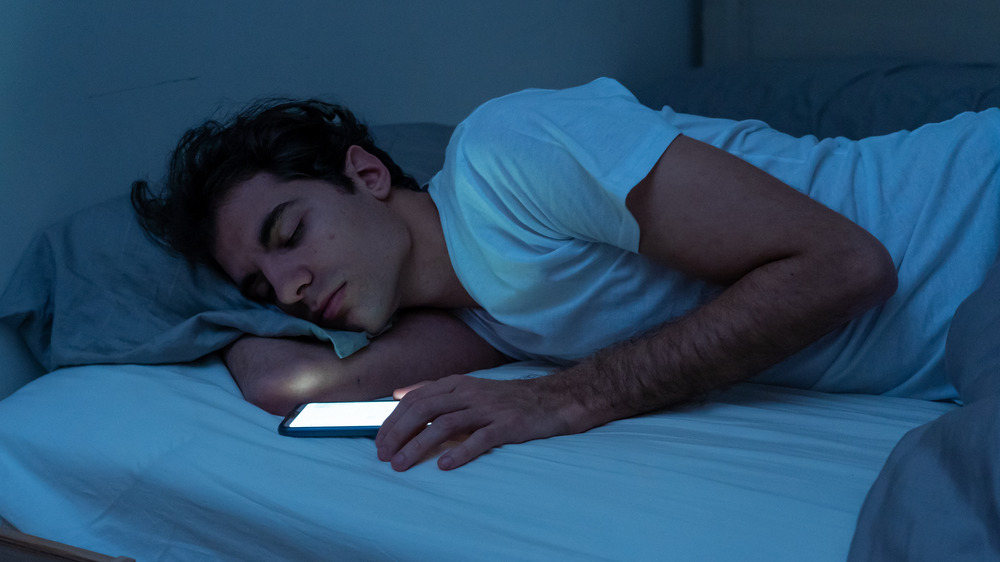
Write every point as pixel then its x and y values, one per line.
pixel 938 496
pixel 169 463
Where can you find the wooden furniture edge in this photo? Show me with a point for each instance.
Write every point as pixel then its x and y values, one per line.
pixel 14 542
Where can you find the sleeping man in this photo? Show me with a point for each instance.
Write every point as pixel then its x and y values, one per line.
pixel 653 256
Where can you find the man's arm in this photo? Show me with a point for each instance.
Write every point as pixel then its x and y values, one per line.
pixel 794 270
pixel 278 374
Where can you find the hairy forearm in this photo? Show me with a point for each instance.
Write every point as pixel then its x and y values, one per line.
pixel 794 270
pixel 765 317
pixel 768 314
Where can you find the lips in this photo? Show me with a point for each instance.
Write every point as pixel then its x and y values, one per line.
pixel 330 310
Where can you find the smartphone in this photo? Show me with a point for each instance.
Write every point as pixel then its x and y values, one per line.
pixel 337 419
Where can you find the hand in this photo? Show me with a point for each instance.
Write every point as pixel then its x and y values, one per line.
pixel 491 413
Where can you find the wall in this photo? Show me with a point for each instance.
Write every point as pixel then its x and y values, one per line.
pixel 94 94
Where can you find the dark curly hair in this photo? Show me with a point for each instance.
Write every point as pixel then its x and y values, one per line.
pixel 289 139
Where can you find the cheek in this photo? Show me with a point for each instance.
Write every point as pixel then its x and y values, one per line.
pixel 227 257
pixel 227 247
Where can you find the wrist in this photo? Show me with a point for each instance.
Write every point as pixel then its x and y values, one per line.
pixel 572 396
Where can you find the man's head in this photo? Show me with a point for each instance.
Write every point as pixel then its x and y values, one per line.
pixel 286 198
pixel 286 139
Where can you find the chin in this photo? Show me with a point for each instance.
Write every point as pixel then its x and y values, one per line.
pixel 349 325
pixel 371 326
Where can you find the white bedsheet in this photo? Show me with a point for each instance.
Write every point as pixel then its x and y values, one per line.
pixel 169 463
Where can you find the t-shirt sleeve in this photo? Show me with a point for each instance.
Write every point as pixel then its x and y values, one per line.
pixel 561 162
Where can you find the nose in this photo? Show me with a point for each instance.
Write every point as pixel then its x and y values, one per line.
pixel 288 279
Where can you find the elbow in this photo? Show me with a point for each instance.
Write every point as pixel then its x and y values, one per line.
pixel 869 274
pixel 888 282
pixel 278 374
pixel 278 387
pixel 306 381
pixel 282 390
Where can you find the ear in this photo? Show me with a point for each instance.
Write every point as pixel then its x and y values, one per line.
pixel 367 171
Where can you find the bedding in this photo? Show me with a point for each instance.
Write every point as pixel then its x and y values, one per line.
pixel 937 497
pixel 158 308
pixel 167 462
pixel 141 305
pixel 852 97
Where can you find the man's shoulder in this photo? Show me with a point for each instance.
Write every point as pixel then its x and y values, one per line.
pixel 534 121
pixel 513 108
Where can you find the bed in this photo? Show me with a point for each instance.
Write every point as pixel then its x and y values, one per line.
pixel 166 461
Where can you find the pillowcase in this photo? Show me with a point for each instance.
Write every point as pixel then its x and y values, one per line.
pixel 95 289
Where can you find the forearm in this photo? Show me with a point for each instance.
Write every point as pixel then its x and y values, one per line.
pixel 794 270
pixel 756 322
pixel 771 313
pixel 277 374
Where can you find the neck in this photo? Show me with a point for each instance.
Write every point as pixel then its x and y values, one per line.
pixel 428 280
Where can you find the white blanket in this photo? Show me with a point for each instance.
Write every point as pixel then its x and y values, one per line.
pixel 169 463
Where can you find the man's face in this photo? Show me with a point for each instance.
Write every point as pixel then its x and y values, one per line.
pixel 318 252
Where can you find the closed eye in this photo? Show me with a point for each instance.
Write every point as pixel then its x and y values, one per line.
pixel 296 236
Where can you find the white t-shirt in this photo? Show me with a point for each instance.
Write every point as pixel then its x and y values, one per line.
pixel 532 201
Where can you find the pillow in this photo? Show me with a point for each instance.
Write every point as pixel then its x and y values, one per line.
pixel 95 289
pixel 851 97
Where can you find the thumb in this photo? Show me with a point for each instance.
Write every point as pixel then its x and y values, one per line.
pixel 399 393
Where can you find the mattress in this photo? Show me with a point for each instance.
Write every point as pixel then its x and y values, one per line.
pixel 170 463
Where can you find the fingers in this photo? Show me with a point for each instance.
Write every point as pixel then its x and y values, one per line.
pixel 478 443
pixel 399 393
pixel 445 428
pixel 432 415
pixel 481 438
pixel 407 424
pixel 486 413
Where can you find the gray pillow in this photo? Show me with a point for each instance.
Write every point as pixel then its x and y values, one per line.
pixel 95 289
pixel 853 97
